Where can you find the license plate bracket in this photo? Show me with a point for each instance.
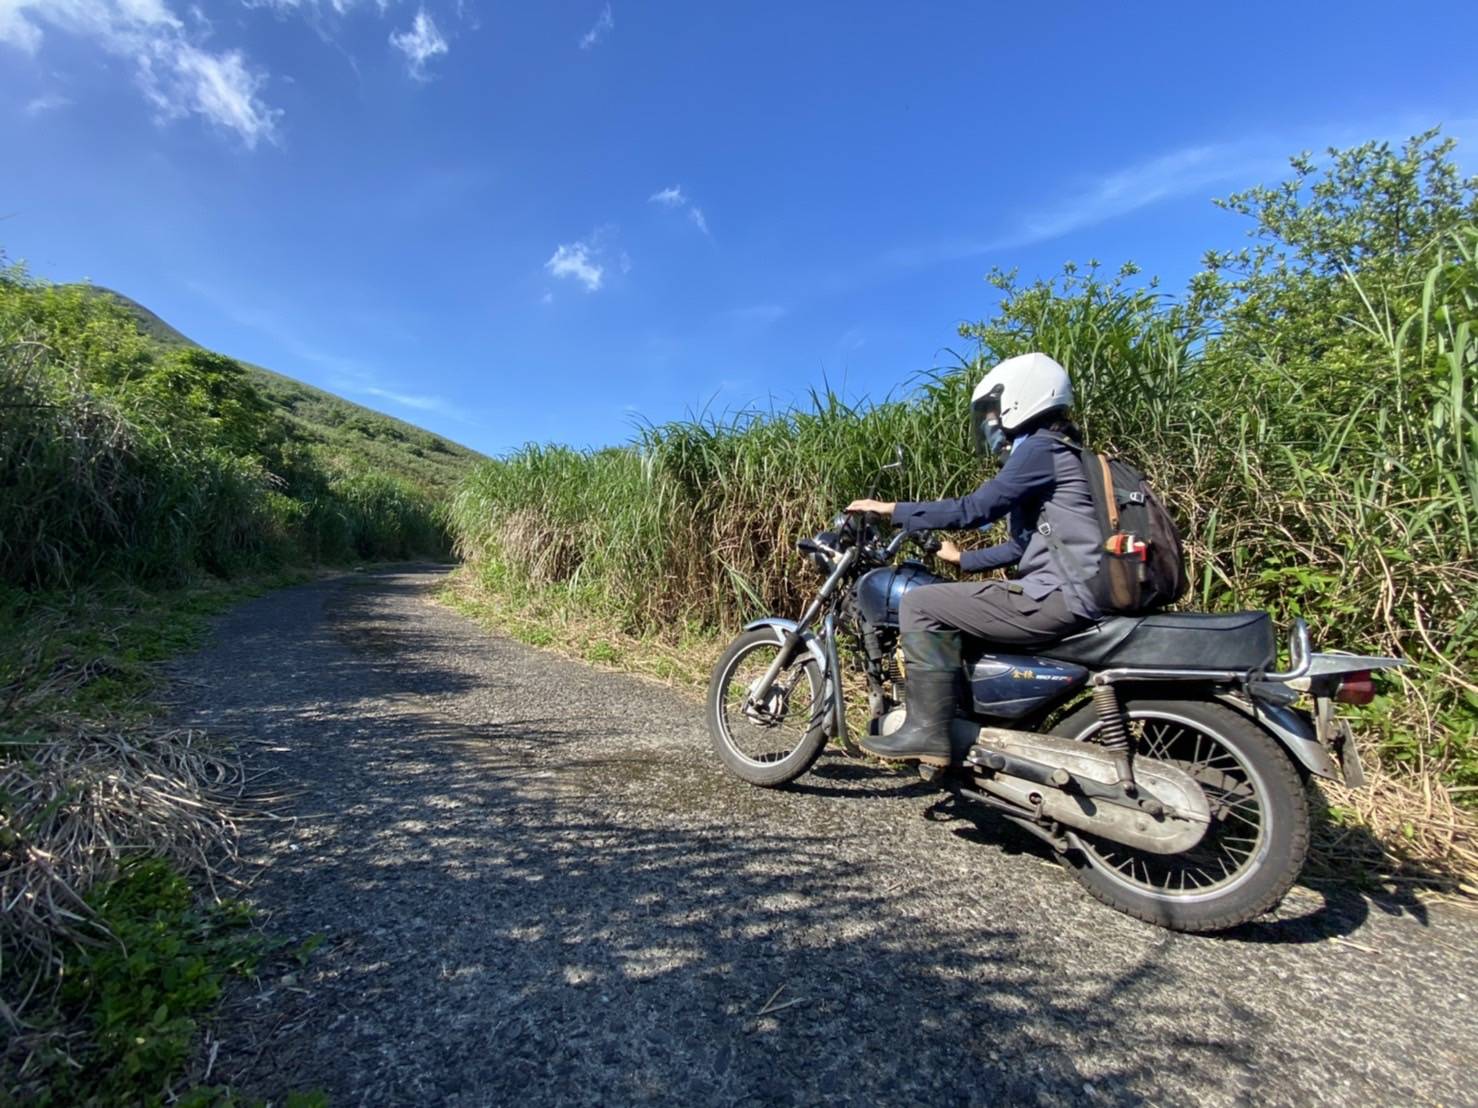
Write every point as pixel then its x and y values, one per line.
pixel 1335 733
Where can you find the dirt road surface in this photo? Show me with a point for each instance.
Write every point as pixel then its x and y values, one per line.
pixel 536 886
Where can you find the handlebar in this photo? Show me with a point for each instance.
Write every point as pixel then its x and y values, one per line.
pixel 926 540
pixel 856 522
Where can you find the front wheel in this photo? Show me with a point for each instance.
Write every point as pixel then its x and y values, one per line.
pixel 773 741
pixel 1252 852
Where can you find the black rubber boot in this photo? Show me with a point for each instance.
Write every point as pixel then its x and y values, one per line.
pixel 931 690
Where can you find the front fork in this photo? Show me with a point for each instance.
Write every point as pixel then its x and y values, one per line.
pixel 794 640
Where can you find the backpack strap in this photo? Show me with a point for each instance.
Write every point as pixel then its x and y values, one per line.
pixel 1064 568
pixel 1111 499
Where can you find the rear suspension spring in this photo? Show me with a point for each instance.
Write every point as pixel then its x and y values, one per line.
pixel 1112 735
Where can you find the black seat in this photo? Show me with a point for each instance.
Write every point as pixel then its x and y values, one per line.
pixel 1181 640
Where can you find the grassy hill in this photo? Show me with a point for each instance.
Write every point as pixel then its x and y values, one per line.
pixel 349 431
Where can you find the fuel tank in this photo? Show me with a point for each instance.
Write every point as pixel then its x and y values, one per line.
pixel 1009 686
pixel 880 591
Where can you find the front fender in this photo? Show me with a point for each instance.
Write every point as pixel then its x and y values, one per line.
pixel 1292 730
pixel 812 643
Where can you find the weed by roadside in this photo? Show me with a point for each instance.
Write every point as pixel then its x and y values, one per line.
pixel 111 829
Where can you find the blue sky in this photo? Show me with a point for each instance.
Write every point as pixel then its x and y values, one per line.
pixel 513 222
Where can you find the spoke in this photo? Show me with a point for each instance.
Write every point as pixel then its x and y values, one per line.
pixel 1236 808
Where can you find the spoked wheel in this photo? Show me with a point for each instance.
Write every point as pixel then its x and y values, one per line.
pixel 1259 833
pixel 769 741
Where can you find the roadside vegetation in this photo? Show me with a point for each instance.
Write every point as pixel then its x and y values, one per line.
pixel 143 486
pixel 1306 405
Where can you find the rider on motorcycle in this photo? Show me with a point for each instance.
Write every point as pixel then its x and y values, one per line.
pixel 1018 413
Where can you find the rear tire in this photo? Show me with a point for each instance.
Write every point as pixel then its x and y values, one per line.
pixel 1260 807
pixel 764 754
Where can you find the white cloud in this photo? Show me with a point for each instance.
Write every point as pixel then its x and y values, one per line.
pixel 219 87
pixel 577 260
pixel 422 42
pixel 176 73
pixel 674 197
pixel 48 103
pixel 604 24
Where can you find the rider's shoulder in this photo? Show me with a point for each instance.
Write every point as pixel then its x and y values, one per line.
pixel 1037 440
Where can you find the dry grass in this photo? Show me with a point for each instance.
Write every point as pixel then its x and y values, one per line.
pixel 77 804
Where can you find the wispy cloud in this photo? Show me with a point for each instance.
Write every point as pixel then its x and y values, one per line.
pixel 49 103
pixel 674 197
pixel 176 72
pixel 340 373
pixel 761 314
pixel 577 260
pixel 604 24
pixel 1093 201
pixel 420 43
pixel 407 400
pixel 1130 188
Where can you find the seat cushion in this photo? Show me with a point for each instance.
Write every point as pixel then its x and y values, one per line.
pixel 1180 640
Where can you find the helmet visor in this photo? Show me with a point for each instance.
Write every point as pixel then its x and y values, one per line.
pixel 987 435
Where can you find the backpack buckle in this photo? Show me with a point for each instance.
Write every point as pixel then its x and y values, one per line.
pixel 1136 497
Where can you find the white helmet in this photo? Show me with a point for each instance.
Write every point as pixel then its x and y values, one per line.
pixel 1013 393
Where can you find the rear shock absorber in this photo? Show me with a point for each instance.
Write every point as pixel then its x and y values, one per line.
pixel 1113 735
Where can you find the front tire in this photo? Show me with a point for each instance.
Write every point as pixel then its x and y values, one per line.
pixel 774 743
pixel 1259 834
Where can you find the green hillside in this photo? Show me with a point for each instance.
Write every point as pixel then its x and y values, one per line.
pixel 352 433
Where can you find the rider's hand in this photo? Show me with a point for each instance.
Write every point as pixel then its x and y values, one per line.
pixel 948 552
pixel 881 507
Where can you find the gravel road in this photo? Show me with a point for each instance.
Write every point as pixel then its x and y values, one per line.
pixel 536 886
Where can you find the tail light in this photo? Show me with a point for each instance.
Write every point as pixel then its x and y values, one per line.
pixel 1356 688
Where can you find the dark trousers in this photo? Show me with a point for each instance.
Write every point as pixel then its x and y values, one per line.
pixel 995 611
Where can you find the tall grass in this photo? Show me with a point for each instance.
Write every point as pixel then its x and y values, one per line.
pixel 1342 491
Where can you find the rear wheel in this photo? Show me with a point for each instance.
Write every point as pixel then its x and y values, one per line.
pixel 773 741
pixel 1252 852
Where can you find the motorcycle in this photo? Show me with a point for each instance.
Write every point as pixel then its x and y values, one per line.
pixel 1161 756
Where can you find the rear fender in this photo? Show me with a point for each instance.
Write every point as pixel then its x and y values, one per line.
pixel 1292 729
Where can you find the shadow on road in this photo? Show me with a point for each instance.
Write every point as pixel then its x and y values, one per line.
pixel 527 898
